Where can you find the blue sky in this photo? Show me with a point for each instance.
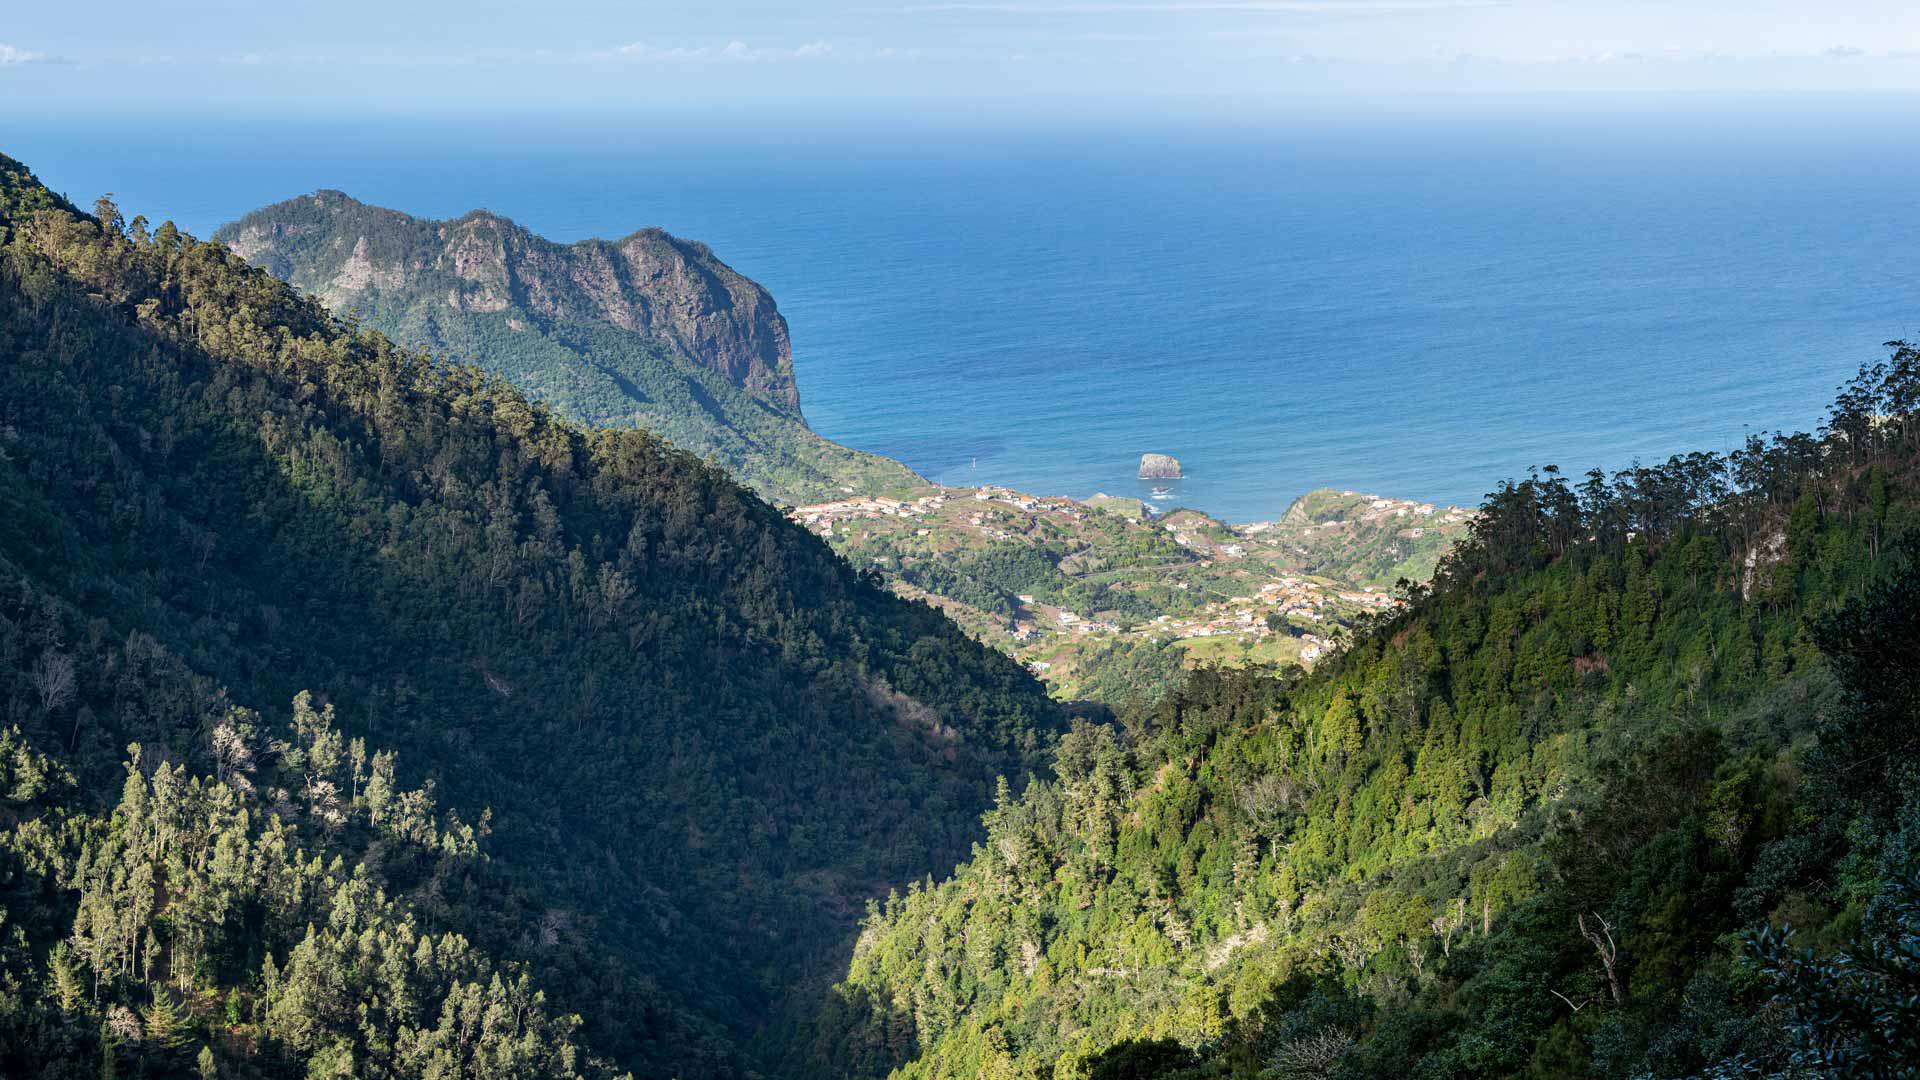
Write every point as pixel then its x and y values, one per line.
pixel 348 55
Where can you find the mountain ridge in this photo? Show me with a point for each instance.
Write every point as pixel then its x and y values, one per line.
pixel 648 330
pixel 648 281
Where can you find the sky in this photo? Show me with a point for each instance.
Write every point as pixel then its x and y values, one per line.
pixel 347 56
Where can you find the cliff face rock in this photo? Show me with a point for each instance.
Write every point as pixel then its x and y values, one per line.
pixel 357 257
pixel 1159 467
pixel 649 330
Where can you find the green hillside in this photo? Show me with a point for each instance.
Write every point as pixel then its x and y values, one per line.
pixel 1364 538
pixel 361 717
pixel 1114 605
pixel 351 702
pixel 649 330
pixel 1549 820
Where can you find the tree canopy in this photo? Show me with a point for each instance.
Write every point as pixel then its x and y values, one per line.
pixel 635 688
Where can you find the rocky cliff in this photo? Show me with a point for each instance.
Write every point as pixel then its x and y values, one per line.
pixel 674 291
pixel 649 330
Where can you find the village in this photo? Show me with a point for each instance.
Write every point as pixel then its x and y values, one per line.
pixel 1113 571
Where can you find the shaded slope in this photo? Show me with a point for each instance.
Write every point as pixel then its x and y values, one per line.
pixel 658 686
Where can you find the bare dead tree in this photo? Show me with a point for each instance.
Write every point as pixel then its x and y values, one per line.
pixel 232 746
pixel 1603 944
pixel 1352 950
pixel 1570 1002
pixel 53 680
pixel 1449 922
pixel 1310 1057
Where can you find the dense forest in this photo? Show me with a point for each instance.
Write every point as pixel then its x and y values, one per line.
pixel 1628 790
pixel 360 717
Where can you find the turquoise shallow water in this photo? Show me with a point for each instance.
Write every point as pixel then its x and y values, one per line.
pixel 1411 305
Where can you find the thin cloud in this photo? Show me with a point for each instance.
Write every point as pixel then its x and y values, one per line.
pixel 735 51
pixel 10 55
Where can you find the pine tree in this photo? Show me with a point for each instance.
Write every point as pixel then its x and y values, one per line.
pixel 63 972
pixel 166 1025
pixel 108 1064
pixel 1340 728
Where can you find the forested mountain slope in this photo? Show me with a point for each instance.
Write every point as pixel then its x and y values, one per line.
pixel 1549 820
pixel 649 330
pixel 625 696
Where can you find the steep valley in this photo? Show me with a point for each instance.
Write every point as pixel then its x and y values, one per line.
pixel 422 682
pixel 484 674
pixel 656 331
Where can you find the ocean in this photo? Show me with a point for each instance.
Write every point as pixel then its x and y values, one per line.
pixel 1415 302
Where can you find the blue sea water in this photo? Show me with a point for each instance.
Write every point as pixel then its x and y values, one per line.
pixel 1416 303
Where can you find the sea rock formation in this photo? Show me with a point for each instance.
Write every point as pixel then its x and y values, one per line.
pixel 1159 467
